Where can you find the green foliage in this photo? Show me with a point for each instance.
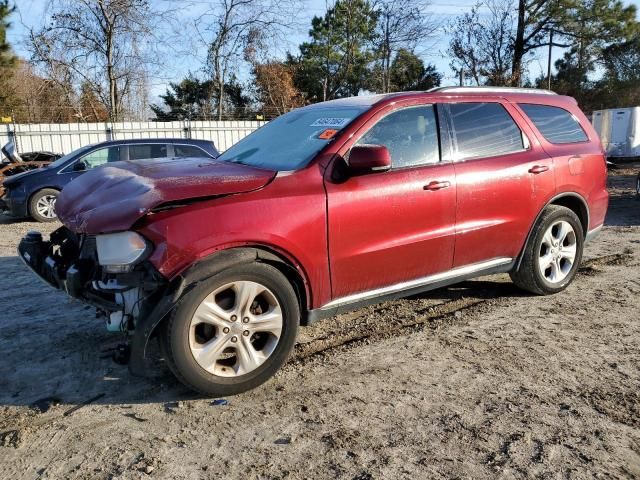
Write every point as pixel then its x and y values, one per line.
pixel 605 36
pixel 198 99
pixel 334 62
pixel 7 59
pixel 408 72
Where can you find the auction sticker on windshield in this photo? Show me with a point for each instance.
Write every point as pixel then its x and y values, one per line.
pixel 331 122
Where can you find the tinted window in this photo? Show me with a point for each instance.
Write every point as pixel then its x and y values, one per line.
pixel 484 130
pixel 101 156
pixel 144 151
pixel 411 135
pixel 188 151
pixel 555 124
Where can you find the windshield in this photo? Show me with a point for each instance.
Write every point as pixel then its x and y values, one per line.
pixel 290 141
pixel 68 156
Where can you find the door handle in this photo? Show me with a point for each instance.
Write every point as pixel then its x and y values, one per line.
pixel 436 185
pixel 538 169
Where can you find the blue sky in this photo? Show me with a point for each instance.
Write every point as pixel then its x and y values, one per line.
pixel 30 14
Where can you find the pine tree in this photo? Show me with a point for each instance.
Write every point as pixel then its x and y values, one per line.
pixel 7 58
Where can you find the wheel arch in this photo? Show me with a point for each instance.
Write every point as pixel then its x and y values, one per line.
pixel 571 200
pixel 226 258
pixel 204 269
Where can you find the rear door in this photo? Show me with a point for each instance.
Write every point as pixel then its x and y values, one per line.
pixel 503 176
pixel 577 154
pixel 392 227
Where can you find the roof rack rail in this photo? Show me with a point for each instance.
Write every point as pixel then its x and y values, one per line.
pixel 538 91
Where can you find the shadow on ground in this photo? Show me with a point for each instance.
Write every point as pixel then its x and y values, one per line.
pixel 55 347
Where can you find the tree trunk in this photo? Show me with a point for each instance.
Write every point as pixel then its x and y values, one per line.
pixel 518 45
pixel 220 98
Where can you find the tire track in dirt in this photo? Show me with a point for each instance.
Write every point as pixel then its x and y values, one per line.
pixel 406 320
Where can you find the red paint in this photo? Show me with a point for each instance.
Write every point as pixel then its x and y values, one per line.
pixel 370 230
pixel 124 191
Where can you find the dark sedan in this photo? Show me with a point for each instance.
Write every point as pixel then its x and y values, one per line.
pixel 34 193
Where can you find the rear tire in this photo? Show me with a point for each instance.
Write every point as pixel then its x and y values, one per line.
pixel 553 254
pixel 42 205
pixel 233 331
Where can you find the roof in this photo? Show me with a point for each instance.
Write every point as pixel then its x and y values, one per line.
pixel 516 93
pixel 119 141
pixel 489 90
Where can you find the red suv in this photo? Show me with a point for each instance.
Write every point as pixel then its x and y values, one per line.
pixel 322 210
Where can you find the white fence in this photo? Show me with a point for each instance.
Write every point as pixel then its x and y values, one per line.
pixel 66 137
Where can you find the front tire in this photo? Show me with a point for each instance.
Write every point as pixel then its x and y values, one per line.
pixel 553 254
pixel 42 205
pixel 233 331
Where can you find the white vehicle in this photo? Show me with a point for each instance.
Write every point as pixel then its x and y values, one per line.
pixel 619 131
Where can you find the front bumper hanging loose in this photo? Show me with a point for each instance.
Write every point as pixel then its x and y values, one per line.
pixel 68 262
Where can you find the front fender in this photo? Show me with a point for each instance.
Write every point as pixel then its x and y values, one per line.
pixel 176 288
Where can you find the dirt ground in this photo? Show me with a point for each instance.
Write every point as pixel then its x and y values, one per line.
pixel 473 381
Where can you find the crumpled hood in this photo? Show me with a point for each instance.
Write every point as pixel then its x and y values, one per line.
pixel 111 198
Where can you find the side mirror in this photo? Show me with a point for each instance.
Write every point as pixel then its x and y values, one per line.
pixel 369 158
pixel 79 166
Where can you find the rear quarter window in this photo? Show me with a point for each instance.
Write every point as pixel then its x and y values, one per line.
pixel 554 123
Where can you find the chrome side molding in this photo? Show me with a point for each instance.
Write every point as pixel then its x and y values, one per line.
pixel 419 282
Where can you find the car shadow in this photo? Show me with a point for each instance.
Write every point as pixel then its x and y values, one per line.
pixel 55 348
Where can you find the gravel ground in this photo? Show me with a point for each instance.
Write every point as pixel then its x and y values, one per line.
pixel 473 381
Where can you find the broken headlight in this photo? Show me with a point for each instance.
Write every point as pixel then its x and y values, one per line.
pixel 119 252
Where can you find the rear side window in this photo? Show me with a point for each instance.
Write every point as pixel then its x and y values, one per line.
pixel 483 130
pixel 555 123
pixel 188 151
pixel 144 151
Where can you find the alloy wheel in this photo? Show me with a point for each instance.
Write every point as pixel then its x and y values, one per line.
pixel 557 252
pixel 45 206
pixel 235 328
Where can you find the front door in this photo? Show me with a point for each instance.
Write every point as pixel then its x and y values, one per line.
pixel 391 227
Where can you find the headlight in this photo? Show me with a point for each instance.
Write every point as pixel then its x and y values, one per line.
pixel 119 252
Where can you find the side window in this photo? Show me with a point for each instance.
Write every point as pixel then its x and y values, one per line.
pixel 144 151
pixel 188 151
pixel 101 156
pixel 484 130
pixel 411 135
pixel 555 123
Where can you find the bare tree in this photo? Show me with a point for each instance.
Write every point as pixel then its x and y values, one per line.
pixel 225 29
pixel 402 24
pixel 482 45
pixel 97 43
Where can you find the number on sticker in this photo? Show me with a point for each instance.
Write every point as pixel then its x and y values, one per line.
pixel 330 122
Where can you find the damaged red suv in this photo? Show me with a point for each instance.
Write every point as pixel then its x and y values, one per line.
pixel 322 210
